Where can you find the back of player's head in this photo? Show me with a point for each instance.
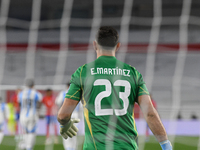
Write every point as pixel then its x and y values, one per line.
pixel 48 90
pixel 107 37
pixel 29 83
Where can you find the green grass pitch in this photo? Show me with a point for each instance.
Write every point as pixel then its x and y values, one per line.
pixel 181 143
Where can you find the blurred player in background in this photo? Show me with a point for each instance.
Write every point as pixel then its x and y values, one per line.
pixel 29 99
pixel 61 96
pixel 14 99
pixel 4 112
pixel 109 88
pixel 11 118
pixel 49 102
pixel 71 143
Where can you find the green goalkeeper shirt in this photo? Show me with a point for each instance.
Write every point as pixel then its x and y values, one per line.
pixel 108 89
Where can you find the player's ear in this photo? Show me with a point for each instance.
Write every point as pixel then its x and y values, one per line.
pixel 95 45
pixel 117 47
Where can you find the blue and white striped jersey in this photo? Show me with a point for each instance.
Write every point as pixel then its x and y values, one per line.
pixel 28 99
pixel 4 112
pixel 2 107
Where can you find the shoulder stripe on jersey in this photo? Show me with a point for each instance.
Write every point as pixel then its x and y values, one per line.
pixel 72 96
pixel 80 74
pixel 137 76
pixel 75 94
pixel 143 91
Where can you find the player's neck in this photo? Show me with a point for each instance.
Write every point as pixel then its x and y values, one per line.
pixel 105 53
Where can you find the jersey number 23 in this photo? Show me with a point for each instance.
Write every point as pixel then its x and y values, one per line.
pixel 123 95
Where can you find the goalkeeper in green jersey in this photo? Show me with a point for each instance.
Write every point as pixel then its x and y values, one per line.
pixel 108 89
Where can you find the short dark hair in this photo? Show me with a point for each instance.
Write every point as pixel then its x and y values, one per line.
pixel 107 36
pixel 48 90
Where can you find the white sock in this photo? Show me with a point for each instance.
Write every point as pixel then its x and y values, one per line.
pixel 1 136
pixel 70 143
pixel 30 141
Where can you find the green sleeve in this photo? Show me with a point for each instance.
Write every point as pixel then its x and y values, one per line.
pixel 75 90
pixel 142 89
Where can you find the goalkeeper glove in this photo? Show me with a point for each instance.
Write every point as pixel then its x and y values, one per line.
pixel 166 145
pixel 69 129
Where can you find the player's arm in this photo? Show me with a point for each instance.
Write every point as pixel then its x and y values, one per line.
pixel 72 98
pixel 154 122
pixel 67 127
pixel 39 100
pixel 65 112
pixel 39 104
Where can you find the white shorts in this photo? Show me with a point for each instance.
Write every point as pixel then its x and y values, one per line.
pixel 29 123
